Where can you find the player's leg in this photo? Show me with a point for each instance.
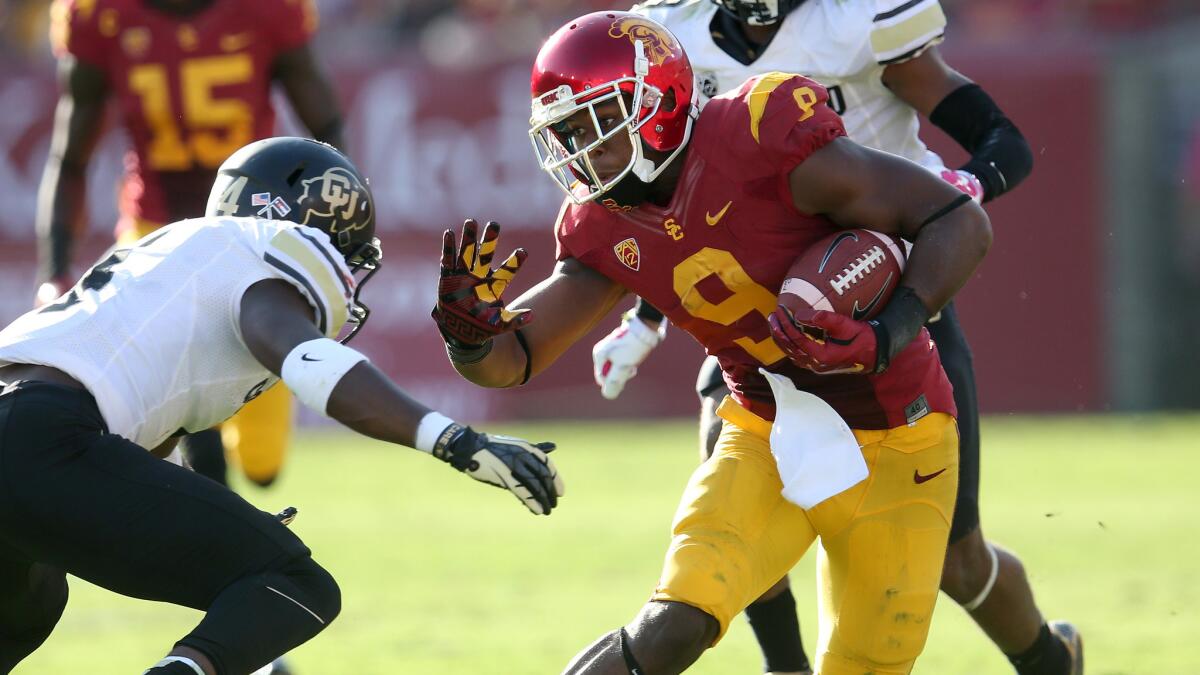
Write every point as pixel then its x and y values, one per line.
pixel 32 598
pixel 257 436
pixel 105 510
pixel 772 617
pixel 879 573
pixel 984 578
pixel 734 536
pixel 206 454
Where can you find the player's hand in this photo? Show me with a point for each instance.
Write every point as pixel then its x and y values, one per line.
pixel 514 464
pixel 965 181
pixel 615 358
pixel 469 309
pixel 825 342
pixel 51 290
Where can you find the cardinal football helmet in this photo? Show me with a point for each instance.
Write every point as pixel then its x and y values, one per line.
pixel 606 56
pixel 310 183
pixel 758 12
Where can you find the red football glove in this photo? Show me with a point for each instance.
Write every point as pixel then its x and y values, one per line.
pixel 825 342
pixel 469 309
pixel 965 181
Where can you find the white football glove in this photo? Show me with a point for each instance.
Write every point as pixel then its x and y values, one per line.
pixel 514 464
pixel 616 357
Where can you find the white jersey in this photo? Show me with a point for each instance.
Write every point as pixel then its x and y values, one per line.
pixel 153 330
pixel 843 44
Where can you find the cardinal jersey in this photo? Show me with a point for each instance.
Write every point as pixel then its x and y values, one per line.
pixel 843 44
pixel 191 89
pixel 713 260
pixel 153 330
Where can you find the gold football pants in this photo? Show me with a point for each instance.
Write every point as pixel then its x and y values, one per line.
pixel 883 541
pixel 256 438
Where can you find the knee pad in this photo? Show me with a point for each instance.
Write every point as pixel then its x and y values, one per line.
pixel 309 584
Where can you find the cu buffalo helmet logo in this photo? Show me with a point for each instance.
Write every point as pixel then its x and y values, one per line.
pixel 655 40
pixel 335 194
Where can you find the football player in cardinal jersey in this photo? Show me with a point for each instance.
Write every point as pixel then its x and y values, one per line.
pixel 192 81
pixel 879 62
pixel 616 122
pixel 175 334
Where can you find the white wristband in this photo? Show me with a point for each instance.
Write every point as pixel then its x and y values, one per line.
pixel 430 429
pixel 314 368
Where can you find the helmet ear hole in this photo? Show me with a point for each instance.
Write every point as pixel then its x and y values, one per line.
pixel 668 100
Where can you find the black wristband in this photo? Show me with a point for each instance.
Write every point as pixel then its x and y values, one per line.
pixel 647 312
pixel 896 326
pixel 1000 155
pixel 465 354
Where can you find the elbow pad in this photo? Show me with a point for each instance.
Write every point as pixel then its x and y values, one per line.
pixel 1000 156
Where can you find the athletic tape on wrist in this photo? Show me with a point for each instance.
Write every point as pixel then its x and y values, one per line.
pixel 430 429
pixel 314 368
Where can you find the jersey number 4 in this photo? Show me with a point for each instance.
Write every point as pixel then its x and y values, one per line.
pixel 215 126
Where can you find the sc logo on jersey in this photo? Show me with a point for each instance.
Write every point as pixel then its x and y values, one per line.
pixel 335 192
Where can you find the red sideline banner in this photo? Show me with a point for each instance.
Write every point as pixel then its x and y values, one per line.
pixel 435 156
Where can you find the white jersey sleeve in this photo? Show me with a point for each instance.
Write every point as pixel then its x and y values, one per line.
pixel 154 330
pixel 304 257
pixel 902 29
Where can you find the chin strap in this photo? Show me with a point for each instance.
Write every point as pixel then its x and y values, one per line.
pixel 643 168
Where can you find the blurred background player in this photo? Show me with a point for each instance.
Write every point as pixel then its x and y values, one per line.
pixel 882 67
pixel 192 80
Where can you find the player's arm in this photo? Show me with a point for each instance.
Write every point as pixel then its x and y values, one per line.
pixel 311 94
pixel 854 187
pixel 1000 156
pixel 496 346
pixel 277 326
pixel 78 120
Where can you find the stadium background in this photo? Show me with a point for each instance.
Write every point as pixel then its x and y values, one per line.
pixel 1086 304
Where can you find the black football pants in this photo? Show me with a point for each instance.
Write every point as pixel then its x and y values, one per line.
pixel 76 499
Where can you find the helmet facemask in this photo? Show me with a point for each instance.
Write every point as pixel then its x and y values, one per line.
pixel 363 262
pixel 570 167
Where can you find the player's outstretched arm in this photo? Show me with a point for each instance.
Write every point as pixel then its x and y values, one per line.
pixel 859 187
pixel 78 119
pixel 311 94
pixel 494 345
pixel 277 327
pixel 1000 155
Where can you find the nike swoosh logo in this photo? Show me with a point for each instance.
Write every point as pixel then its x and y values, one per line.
pixel 857 314
pixel 918 478
pixel 236 41
pixel 713 220
pixel 304 357
pixel 829 251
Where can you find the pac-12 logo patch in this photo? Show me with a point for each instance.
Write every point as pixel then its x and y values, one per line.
pixel 627 252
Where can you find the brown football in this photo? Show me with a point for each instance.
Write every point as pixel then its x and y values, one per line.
pixel 851 272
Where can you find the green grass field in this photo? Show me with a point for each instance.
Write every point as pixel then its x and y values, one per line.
pixel 441 575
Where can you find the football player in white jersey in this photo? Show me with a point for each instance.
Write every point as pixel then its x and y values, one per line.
pixel 173 335
pixel 880 63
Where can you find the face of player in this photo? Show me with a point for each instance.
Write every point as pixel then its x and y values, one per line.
pixel 579 130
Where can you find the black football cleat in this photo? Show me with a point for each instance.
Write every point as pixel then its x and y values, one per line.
pixel 1073 641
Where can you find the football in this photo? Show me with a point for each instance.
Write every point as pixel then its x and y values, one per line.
pixel 851 272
